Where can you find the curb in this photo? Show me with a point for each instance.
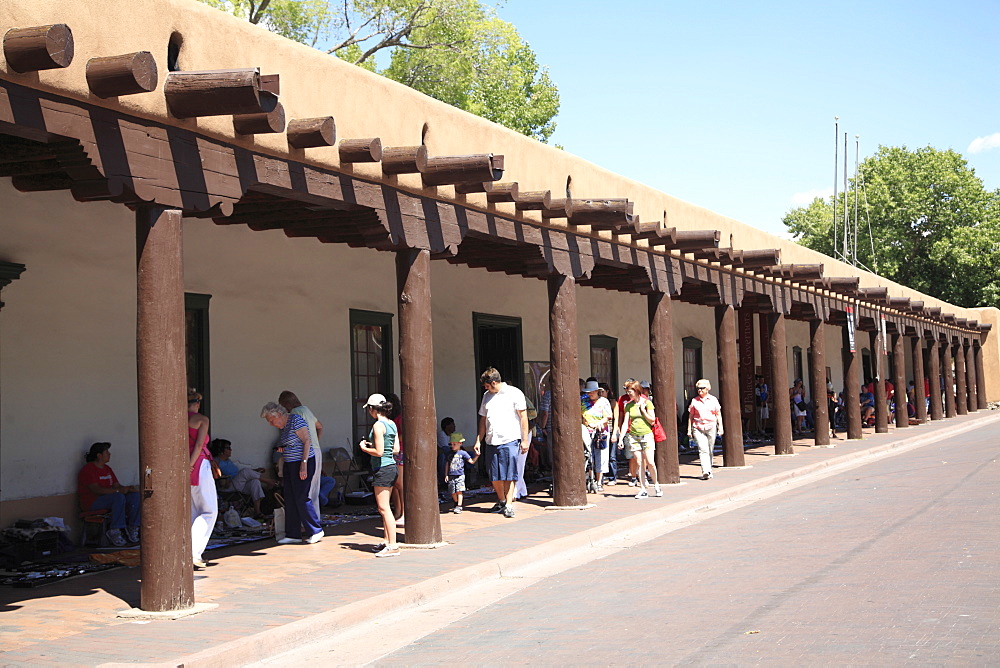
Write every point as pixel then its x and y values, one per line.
pixel 255 647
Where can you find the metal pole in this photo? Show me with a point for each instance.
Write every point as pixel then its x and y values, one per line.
pixel 899 361
pixel 878 370
pixel 919 401
pixel 950 408
pixel 971 379
pixel 836 176
pixel 817 375
pixel 416 373
pixel 779 385
pixel 567 445
pixel 852 385
pixel 934 379
pixel 857 151
pixel 847 245
pixel 661 363
pixel 961 390
pixel 729 386
pixel 167 575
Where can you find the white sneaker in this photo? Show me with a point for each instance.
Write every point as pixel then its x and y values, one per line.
pixel 659 492
pixel 707 476
pixel 643 494
pixel 315 538
pixel 289 541
pixel 457 510
pixel 387 552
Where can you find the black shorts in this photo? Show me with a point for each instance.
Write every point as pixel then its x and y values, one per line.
pixel 385 476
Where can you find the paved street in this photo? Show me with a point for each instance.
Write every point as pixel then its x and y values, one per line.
pixel 893 562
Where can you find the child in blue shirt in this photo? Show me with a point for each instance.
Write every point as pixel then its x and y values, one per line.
pixel 455 473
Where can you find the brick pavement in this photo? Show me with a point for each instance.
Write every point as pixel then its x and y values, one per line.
pixel 894 562
pixel 73 622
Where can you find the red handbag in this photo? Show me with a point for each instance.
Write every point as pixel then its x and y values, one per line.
pixel 659 435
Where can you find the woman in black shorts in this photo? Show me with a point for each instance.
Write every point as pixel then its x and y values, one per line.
pixel 381 445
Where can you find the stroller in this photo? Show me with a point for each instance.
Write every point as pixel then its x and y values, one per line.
pixel 588 465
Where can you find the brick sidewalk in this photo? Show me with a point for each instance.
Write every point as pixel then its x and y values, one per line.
pixel 74 622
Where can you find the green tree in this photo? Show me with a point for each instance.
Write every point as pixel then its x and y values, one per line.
pixel 457 51
pixel 934 226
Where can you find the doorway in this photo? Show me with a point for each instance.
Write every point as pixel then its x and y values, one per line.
pixel 497 341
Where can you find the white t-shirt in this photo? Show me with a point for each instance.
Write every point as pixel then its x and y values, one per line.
pixel 503 424
pixel 311 420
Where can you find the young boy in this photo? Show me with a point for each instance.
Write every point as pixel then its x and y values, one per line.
pixel 455 475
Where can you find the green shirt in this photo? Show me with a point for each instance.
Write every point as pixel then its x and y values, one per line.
pixel 637 423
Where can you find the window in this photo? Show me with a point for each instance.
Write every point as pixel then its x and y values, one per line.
pixel 692 365
pixel 797 364
pixel 196 347
pixel 604 359
pixel 371 363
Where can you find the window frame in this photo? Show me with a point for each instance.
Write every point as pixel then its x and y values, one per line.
pixel 199 303
pixel 371 319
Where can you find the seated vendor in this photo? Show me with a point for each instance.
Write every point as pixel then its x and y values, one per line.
pixel 243 477
pixel 99 489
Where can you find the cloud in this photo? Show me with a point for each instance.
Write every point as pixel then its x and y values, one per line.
pixel 980 144
pixel 805 198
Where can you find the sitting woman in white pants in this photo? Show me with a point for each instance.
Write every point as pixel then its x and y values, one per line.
pixel 704 424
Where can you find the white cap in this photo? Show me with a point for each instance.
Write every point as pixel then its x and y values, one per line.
pixel 375 400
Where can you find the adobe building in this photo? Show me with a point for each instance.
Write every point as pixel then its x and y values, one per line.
pixel 189 200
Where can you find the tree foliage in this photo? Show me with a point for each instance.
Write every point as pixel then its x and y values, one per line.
pixel 457 51
pixel 934 226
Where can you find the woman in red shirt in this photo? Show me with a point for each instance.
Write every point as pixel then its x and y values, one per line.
pixel 704 424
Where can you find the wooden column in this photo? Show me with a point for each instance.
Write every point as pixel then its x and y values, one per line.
pixel 980 377
pixel 852 385
pixel 899 361
pixel 934 379
pixel 961 390
pixel 661 364
pixel 949 380
pixel 167 575
pixel 779 384
pixel 729 386
pixel 567 446
pixel 881 403
pixel 920 402
pixel 817 376
pixel 416 372
pixel 971 378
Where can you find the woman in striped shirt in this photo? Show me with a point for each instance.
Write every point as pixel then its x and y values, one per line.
pixel 299 467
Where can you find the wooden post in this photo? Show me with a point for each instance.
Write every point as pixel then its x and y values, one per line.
pixel 950 409
pixel 729 386
pixel 899 361
pixel 971 378
pixel 881 403
pixel 934 379
pixel 567 445
pixel 782 415
pixel 416 373
pixel 817 374
pixel 661 364
pixel 167 575
pixel 919 399
pixel 852 385
pixel 961 389
pixel 980 378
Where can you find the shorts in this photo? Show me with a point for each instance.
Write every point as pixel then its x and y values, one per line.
pixel 644 442
pixel 627 445
pixel 456 484
pixel 503 460
pixel 385 476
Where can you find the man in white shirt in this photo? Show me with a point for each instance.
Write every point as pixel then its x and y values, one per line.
pixel 503 426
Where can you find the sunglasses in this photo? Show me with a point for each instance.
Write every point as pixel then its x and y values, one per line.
pixel 701 387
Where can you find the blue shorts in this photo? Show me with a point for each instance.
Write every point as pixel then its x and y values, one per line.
pixel 503 460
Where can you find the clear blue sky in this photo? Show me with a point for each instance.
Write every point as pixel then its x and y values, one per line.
pixel 730 105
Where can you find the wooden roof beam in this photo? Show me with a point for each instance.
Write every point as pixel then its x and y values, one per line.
pixel 878 295
pixel 750 259
pixel 535 200
pixel 368 149
pixel 691 240
pixel 847 285
pixel 653 233
pixel 932 311
pixel 312 132
pixel 217 93
pixel 128 74
pixel 916 307
pixel 555 209
pixel 501 192
pixel 271 122
pixel 455 169
pixel 38 48
pixel 900 303
pixel 404 159
pixel 606 214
